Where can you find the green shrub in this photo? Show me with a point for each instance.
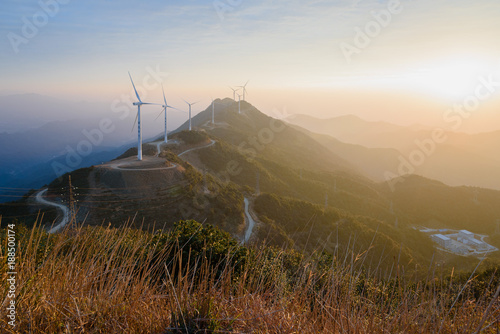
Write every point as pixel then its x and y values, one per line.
pixel 192 137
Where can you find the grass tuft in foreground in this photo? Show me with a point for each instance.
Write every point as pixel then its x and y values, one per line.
pixel 197 279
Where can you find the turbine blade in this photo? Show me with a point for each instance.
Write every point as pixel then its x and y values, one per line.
pixel 161 112
pixel 178 109
pixel 136 94
pixel 164 99
pixel 133 126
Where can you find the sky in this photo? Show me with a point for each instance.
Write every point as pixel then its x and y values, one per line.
pixel 402 61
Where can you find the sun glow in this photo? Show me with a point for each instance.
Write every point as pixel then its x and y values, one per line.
pixel 451 80
pixel 445 80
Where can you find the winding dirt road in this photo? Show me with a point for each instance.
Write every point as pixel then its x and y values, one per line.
pixel 132 164
pixel 197 148
pixel 158 148
pixel 123 166
pixel 39 198
pixel 249 220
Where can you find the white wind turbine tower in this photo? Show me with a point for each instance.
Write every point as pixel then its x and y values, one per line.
pixel 213 111
pixel 190 104
pixel 244 89
pixel 239 104
pixel 164 110
pixel 234 92
pixel 138 120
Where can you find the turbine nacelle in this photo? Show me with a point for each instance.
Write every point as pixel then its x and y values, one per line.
pixel 244 88
pixel 234 92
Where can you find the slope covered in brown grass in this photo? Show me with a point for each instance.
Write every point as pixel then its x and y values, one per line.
pixel 197 279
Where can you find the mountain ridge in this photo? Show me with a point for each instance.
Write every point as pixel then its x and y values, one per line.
pixel 209 184
pixel 461 159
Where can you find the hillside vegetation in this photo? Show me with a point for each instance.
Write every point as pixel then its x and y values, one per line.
pixel 297 176
pixel 309 198
pixel 197 279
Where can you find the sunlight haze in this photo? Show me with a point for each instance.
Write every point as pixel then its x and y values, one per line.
pixel 430 54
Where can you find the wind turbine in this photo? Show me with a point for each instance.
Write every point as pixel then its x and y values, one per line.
pixel 190 104
pixel 213 111
pixel 138 120
pixel 239 104
pixel 244 89
pixel 165 106
pixel 234 92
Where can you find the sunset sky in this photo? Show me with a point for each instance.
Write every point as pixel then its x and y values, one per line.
pixel 426 56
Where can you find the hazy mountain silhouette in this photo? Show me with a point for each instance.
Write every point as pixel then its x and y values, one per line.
pixel 309 186
pixel 462 159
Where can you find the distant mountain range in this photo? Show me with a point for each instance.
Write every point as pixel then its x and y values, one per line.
pixel 37 131
pixel 306 190
pixel 21 112
pixel 379 147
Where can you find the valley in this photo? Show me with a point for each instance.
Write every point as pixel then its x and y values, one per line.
pixel 300 192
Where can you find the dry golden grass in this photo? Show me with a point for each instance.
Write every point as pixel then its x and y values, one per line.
pixel 102 280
